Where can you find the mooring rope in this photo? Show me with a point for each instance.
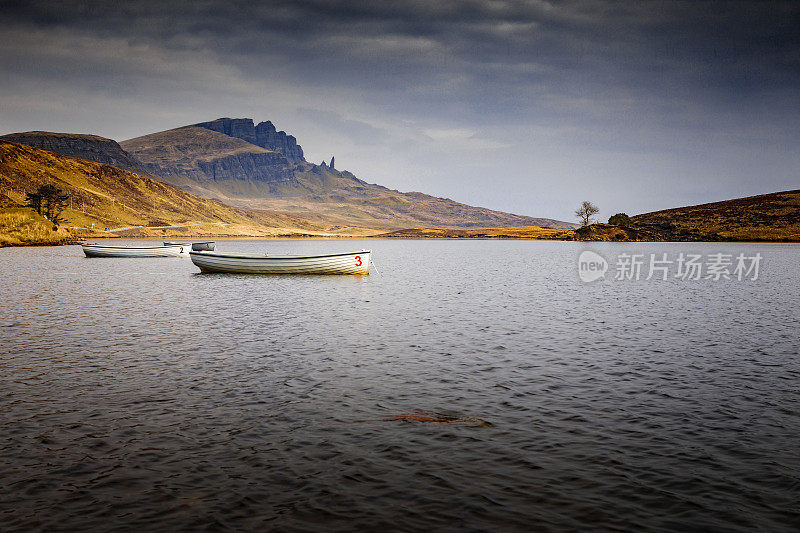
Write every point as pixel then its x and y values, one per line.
pixel 371 262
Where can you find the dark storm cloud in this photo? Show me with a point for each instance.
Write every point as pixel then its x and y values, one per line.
pixel 468 49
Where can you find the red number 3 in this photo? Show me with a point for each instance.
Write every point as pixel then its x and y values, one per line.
pixel 358 260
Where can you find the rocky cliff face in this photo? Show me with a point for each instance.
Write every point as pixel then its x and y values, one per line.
pixel 269 167
pixel 267 137
pixel 264 135
pixel 90 147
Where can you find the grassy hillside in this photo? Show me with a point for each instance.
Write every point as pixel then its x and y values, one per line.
pixel 215 165
pixel 109 197
pixel 22 225
pixel 767 217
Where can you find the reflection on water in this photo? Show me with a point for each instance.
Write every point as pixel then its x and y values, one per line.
pixel 469 385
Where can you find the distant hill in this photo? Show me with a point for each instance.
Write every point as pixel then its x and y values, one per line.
pixel 767 217
pixel 255 166
pixel 91 147
pixel 110 197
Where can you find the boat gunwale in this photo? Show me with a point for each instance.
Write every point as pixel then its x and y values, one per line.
pixel 132 247
pixel 278 256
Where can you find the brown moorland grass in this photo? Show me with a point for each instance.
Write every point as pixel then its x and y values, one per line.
pixel 766 217
pixel 23 225
pixel 523 232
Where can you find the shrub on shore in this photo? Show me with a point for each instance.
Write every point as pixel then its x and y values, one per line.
pixel 620 219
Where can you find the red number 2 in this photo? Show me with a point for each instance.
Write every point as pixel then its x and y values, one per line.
pixel 358 260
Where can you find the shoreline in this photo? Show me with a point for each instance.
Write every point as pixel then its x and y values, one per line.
pixel 79 241
pixel 32 230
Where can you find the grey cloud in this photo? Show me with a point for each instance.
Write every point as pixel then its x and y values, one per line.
pixel 359 132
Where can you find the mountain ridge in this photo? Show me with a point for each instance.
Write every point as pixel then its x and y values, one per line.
pixel 192 158
pixel 102 195
pixel 294 185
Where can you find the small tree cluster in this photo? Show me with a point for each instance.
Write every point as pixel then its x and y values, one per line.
pixel 49 201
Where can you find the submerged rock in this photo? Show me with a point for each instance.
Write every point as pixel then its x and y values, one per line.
pixel 434 418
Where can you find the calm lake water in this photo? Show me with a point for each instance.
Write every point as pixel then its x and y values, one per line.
pixel 140 394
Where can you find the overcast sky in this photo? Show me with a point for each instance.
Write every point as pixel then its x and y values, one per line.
pixel 524 106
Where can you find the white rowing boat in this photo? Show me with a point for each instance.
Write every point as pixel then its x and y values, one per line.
pixel 196 246
pixel 347 263
pixel 171 250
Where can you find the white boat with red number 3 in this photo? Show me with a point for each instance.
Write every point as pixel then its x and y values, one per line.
pixel 238 263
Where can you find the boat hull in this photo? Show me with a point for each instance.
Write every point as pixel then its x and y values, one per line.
pixel 203 246
pixel 96 250
pixel 348 263
pixel 196 246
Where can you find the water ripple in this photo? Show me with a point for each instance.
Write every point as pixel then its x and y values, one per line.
pixel 474 385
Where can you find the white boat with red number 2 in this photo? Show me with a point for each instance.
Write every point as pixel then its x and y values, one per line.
pixel 238 263
pixel 167 250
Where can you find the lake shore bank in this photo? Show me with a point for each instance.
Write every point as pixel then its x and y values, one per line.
pixel 42 235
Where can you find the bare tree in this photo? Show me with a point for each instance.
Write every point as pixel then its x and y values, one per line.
pixel 585 212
